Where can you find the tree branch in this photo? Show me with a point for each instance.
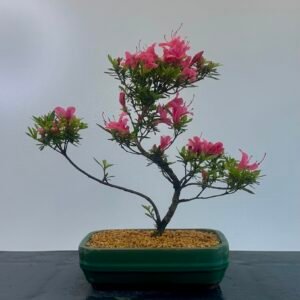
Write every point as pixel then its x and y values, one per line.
pixel 148 199
pixel 210 186
pixel 164 166
pixel 208 197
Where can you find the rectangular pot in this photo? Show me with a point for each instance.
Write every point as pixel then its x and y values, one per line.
pixel 146 267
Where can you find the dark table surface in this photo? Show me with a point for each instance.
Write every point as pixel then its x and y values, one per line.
pixel 57 276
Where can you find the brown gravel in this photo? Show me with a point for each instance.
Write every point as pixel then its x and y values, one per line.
pixel 142 239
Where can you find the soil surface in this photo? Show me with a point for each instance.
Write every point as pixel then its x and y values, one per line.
pixel 143 239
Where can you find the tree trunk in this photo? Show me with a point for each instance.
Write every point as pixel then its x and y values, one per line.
pixel 161 226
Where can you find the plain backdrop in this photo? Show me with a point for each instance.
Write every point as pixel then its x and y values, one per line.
pixel 55 53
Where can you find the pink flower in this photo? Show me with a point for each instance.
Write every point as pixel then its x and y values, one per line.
pixel 195 145
pixel 186 63
pixel 215 148
pixel 198 146
pixel 197 58
pixel 149 57
pixel 175 102
pixel 122 99
pixel 244 163
pixel 174 51
pixel 163 115
pixel 190 74
pixel 165 142
pixel 119 126
pixel 173 112
pixel 131 60
pixel 177 109
pixel 68 113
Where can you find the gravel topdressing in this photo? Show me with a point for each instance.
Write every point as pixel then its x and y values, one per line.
pixel 144 239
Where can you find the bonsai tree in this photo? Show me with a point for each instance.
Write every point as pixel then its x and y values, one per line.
pixel 150 86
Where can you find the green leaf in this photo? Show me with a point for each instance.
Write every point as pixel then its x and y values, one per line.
pixel 110 59
pixel 147 207
pixel 248 191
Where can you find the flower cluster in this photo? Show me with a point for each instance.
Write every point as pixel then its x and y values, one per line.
pixel 146 76
pixel 174 113
pixel 57 128
pixel 147 58
pixel 209 161
pixel 174 54
pixel 203 147
pixel 118 128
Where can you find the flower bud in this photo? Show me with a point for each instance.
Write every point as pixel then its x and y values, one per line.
pixel 197 58
pixel 54 129
pixel 41 131
pixel 122 99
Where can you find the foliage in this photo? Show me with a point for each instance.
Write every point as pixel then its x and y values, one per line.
pixel 56 132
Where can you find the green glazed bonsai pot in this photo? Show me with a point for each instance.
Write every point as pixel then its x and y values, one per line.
pixel 159 267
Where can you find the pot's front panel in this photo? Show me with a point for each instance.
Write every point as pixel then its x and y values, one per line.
pixel 165 266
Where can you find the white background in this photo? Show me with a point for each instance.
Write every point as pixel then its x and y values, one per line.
pixel 54 53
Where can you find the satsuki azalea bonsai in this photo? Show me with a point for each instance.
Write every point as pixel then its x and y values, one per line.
pixel 151 80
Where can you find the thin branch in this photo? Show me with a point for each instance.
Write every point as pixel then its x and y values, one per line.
pixel 208 197
pixel 131 151
pixel 114 186
pixel 193 198
pixel 210 186
pixel 187 177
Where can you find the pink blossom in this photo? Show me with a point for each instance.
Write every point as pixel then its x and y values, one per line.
pixel 149 57
pixel 68 113
pixel 217 148
pixel 177 109
pixel 122 99
pixel 190 74
pixel 174 51
pixel 186 63
pixel 165 142
pixel 175 102
pixel 119 126
pixel 195 145
pixel 163 115
pixel 173 112
pixel 131 60
pixel 201 146
pixel 244 163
